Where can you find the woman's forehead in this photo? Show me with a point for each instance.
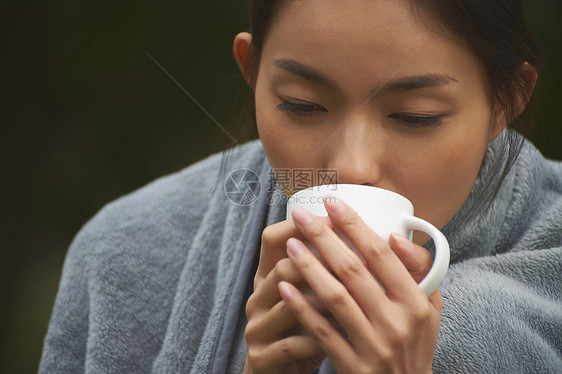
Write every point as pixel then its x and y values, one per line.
pixel 357 39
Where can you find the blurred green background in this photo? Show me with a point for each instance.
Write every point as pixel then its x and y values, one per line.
pixel 86 116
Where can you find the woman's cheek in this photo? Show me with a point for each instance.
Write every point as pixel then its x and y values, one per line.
pixel 438 177
pixel 271 132
pixel 458 171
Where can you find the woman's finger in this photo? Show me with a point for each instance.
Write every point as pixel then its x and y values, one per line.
pixel 416 258
pixel 272 250
pixel 436 299
pixel 330 291
pixel 346 265
pixel 273 240
pixel 267 292
pixel 267 295
pixel 379 257
pixel 271 357
pixel 326 336
pixel 278 321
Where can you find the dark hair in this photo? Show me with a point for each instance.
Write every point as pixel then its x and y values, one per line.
pixel 495 31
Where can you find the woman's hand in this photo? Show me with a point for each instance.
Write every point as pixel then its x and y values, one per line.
pixel 272 333
pixel 387 330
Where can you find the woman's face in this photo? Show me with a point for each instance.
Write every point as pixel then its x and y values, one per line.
pixel 368 90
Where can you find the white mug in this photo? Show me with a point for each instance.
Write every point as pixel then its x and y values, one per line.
pixel 385 212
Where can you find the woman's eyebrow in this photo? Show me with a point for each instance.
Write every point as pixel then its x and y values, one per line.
pixel 418 81
pixel 399 84
pixel 303 71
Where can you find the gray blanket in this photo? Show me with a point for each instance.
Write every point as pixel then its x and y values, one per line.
pixel 156 282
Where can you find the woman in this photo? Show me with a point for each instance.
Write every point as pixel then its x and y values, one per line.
pixel 420 98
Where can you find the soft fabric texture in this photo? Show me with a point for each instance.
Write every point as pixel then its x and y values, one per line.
pixel 156 282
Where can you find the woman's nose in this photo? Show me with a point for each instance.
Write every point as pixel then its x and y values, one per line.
pixel 356 154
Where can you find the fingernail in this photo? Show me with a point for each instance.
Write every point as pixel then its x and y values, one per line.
pixel 285 290
pixel 295 247
pixel 333 204
pixel 404 242
pixel 301 216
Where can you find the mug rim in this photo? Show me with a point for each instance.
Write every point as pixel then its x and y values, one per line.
pixel 351 185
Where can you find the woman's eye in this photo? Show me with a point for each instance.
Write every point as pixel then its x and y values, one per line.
pixel 412 120
pixel 299 108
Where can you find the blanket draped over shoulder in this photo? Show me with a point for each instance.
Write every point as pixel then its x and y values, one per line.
pixel 156 282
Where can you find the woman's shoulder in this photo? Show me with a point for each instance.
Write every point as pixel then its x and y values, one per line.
pixel 538 178
pixel 536 200
pixel 123 267
pixel 169 206
pixel 531 159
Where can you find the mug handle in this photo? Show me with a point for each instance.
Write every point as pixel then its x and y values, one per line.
pixel 442 253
